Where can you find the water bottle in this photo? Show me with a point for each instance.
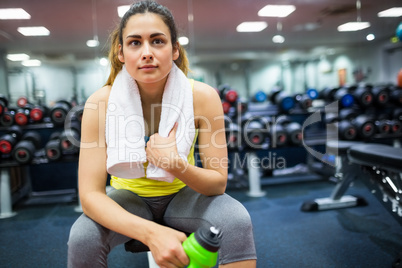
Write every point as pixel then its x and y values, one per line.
pixel 202 247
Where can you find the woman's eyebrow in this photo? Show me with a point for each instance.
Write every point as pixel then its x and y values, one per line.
pixel 137 36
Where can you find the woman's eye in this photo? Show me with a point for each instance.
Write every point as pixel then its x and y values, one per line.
pixel 158 41
pixel 135 43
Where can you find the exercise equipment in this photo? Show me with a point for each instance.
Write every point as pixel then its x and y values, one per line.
pixel 284 101
pixel 3 103
pixel 304 101
pixel 233 136
pixel 259 96
pixel 22 102
pixel 10 139
pixel 7 118
pixel 345 173
pixel 21 116
pixel 384 165
pixel 380 95
pixel 396 96
pixel 59 111
pixel 293 131
pixel 24 150
pixel 37 113
pixel 255 130
pixel 363 123
pixel 363 96
pixel 70 138
pixel 344 97
pixel 53 147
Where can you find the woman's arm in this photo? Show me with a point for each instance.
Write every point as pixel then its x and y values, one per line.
pixel 212 178
pixel 164 242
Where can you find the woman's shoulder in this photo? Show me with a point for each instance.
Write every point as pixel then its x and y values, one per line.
pixel 99 96
pixel 206 100
pixel 203 91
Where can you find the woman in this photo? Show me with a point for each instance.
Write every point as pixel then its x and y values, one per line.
pixel 156 213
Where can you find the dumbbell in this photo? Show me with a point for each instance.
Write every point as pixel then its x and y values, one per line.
pixel 328 93
pixel 21 116
pixel 346 130
pixel 37 113
pixel 10 139
pixel 293 130
pixel 255 130
pixel 7 118
pixel 70 137
pixel 233 140
pixel 344 97
pixel 284 101
pixel 240 107
pixel 396 96
pixel 227 93
pixel 382 126
pixel 3 103
pixel 259 96
pixel 304 101
pixel 53 147
pixel 24 150
pixel 380 95
pixel 363 96
pixel 364 124
pixel 22 102
pixel 59 111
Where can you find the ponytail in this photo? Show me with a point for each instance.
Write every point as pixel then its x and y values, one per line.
pixel 182 61
pixel 116 64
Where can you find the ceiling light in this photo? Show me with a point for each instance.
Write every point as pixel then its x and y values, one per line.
pixel 14 14
pixel 92 43
pixel 183 40
pixel 251 26
pixel 392 12
pixel 276 11
pixel 121 10
pixel 279 39
pixel 18 57
pixel 103 61
pixel 31 63
pixel 353 26
pixel 370 37
pixel 34 31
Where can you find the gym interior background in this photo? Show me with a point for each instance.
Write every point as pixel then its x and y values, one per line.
pixel 302 116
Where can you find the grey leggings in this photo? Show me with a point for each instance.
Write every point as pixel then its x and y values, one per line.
pixel 90 243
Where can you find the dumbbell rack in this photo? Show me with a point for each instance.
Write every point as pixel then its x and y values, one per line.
pixel 6 196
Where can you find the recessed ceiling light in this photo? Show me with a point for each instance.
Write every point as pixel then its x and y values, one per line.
pixel 276 11
pixel 183 40
pixel 34 31
pixel 121 10
pixel 14 14
pixel 31 63
pixel 370 37
pixel 252 26
pixel 279 39
pixel 353 26
pixel 92 43
pixel 18 57
pixel 103 61
pixel 392 12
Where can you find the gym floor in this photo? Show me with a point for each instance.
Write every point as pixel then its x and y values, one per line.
pixel 366 236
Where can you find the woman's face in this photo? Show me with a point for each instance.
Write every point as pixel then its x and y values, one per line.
pixel 147 49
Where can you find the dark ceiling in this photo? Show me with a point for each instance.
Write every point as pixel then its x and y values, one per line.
pixel 212 34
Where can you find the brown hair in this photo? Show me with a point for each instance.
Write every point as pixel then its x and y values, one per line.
pixel 116 37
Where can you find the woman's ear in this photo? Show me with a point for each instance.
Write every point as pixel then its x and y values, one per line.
pixel 120 54
pixel 176 51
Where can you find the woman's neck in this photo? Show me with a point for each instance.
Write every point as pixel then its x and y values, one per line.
pixel 151 93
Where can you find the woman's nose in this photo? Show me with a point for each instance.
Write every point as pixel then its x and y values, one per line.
pixel 146 53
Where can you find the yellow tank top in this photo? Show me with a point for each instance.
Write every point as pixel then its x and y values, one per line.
pixel 149 188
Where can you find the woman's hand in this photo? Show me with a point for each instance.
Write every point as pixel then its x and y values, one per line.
pixel 162 152
pixel 166 246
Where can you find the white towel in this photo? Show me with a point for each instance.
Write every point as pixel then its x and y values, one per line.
pixel 125 125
